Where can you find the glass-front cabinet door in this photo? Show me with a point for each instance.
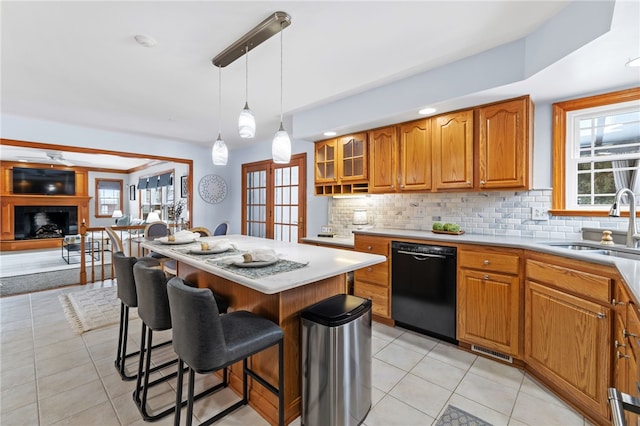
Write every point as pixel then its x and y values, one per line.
pixel 326 161
pixel 353 157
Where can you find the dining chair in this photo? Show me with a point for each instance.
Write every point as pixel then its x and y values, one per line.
pixel 156 230
pixel 221 229
pixel 204 232
pixel 116 241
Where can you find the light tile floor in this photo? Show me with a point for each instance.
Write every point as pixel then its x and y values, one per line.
pixel 51 376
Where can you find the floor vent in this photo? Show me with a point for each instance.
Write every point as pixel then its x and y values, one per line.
pixel 492 353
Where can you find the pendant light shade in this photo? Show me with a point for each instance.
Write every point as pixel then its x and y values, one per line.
pixel 219 152
pixel 246 121
pixel 281 145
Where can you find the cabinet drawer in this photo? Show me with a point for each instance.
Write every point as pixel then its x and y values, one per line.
pixel 487 261
pixel 582 283
pixel 379 297
pixel 376 274
pixel 374 245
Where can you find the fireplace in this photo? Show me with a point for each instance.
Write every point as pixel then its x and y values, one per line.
pixel 44 222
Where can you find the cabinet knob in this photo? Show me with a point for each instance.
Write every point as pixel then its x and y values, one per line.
pixel 369 269
pixel 468 183
pixel 600 315
pixel 614 302
pixel 369 248
pixel 482 182
pixel 626 333
pixel 486 277
pixel 620 355
pixel 619 345
pixel 402 186
pixel 486 262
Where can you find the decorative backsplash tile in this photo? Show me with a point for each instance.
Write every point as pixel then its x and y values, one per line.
pixel 488 213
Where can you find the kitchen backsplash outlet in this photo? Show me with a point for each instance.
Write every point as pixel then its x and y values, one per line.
pixel 487 213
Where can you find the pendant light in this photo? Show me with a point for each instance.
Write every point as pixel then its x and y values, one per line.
pixel 281 145
pixel 219 153
pixel 246 121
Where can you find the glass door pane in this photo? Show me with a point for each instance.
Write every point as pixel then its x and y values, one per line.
pixel 256 204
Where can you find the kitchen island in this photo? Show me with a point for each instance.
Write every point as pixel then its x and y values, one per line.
pixel 310 275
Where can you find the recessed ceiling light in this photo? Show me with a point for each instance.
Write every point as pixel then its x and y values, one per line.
pixel 634 62
pixel 330 133
pixel 426 111
pixel 145 40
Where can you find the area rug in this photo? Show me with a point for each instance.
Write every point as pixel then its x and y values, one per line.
pixel 29 283
pixel 90 309
pixel 454 416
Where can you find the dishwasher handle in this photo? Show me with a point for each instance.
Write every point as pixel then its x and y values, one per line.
pixel 429 255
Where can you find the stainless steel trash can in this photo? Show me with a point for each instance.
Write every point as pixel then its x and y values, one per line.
pixel 336 361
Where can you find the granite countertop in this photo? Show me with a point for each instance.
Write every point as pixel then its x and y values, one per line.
pixel 629 269
pixel 319 262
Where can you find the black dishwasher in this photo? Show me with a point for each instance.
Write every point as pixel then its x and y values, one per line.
pixel 423 282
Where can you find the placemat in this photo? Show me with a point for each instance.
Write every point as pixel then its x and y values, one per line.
pixel 279 267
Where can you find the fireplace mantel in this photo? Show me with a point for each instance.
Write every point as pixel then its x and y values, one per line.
pixel 8 203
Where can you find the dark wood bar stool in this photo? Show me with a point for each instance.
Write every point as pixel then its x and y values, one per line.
pixel 208 342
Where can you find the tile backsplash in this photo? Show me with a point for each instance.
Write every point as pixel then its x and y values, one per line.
pixel 489 213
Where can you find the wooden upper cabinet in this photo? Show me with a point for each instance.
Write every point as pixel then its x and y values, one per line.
pixel 326 161
pixel 453 150
pixel 353 157
pixel 415 164
pixel 504 145
pixel 383 149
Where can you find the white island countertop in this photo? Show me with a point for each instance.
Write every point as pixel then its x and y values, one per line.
pixel 323 262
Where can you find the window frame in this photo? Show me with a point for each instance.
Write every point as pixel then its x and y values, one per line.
pixel 559 146
pixel 97 196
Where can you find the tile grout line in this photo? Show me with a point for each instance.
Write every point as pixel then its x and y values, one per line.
pixel 35 358
pixel 104 386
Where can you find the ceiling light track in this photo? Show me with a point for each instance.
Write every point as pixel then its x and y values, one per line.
pixel 271 26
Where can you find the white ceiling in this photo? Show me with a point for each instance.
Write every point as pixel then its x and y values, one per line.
pixel 78 63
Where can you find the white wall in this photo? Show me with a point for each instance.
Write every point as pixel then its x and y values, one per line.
pixel 203 214
pixel 27 129
pixel 230 208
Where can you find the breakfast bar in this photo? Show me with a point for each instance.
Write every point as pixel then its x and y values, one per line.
pixel 279 291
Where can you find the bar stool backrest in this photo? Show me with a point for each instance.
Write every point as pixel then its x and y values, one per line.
pixel 198 336
pixel 126 288
pixel 153 303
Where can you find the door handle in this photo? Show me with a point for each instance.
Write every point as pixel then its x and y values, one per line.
pixel 438 256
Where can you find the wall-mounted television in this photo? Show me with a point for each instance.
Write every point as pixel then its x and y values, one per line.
pixel 43 181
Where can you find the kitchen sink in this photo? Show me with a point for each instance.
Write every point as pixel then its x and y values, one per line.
pixel 595 248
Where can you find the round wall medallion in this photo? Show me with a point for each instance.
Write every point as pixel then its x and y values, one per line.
pixel 212 188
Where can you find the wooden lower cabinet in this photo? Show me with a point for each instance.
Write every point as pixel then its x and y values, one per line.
pixel 374 282
pixel 489 299
pixel 626 347
pixel 568 337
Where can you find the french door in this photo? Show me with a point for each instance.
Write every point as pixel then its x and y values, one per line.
pixel 274 199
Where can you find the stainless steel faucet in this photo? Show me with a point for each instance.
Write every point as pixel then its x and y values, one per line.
pixel 632 232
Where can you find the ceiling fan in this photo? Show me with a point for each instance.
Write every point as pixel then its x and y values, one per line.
pixel 51 156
